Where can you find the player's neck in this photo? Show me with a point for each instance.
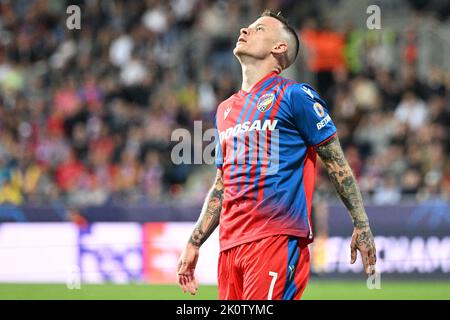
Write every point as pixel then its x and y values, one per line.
pixel 253 73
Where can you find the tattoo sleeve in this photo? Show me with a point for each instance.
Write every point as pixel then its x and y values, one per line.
pixel 342 177
pixel 210 215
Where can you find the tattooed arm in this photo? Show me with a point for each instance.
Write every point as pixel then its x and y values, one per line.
pixel 342 177
pixel 206 224
pixel 210 214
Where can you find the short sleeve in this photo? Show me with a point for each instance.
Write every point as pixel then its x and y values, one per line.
pixel 310 115
pixel 218 149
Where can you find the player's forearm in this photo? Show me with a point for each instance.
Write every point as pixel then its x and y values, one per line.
pixel 342 177
pixel 210 215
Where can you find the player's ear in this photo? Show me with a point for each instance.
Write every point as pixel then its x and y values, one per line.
pixel 279 51
pixel 280 48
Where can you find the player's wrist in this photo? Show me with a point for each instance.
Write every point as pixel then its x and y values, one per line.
pixel 361 224
pixel 193 244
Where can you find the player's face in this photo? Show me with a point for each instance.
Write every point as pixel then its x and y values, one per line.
pixel 259 39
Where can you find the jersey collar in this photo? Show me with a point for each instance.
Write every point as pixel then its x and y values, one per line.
pixel 267 76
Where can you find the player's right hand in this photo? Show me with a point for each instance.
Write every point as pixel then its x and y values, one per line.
pixel 186 267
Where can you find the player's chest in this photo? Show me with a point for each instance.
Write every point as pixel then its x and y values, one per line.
pixel 252 112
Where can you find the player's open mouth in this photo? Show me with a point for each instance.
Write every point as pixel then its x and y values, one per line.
pixel 241 40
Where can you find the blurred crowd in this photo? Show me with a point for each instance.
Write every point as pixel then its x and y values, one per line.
pixel 87 115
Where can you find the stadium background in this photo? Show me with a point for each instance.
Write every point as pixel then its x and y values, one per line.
pixel 89 193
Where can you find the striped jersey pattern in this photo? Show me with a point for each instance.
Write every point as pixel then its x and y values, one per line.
pixel 265 146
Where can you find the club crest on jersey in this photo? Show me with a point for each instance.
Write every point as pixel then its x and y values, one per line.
pixel 265 102
pixel 319 109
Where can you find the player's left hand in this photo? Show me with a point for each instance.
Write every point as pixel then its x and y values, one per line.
pixel 362 240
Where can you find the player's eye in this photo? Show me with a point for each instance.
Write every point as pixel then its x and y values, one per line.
pixel 258 28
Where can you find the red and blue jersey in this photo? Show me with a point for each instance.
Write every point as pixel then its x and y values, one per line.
pixel 266 141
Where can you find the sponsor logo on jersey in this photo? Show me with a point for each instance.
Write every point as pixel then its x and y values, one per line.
pixel 265 102
pixel 322 123
pixel 226 112
pixel 247 126
pixel 319 109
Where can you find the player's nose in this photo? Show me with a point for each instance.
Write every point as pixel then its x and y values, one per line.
pixel 244 31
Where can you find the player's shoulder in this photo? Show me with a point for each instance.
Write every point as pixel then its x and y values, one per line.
pixel 302 90
pixel 300 95
pixel 227 101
